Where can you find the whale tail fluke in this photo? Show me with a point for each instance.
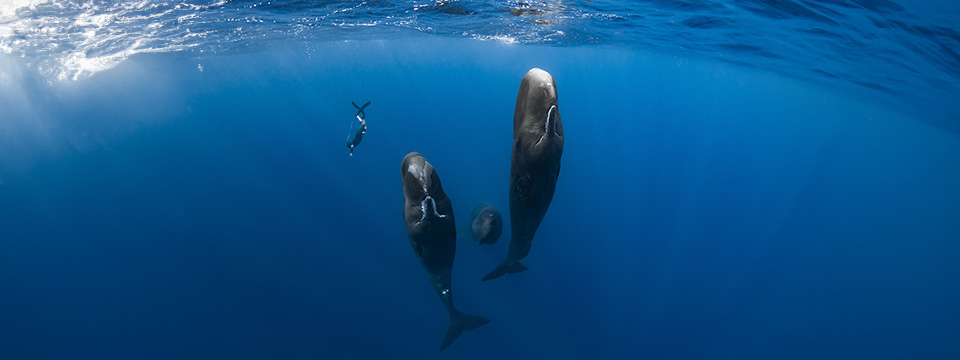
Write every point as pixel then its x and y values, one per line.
pixel 516 267
pixel 460 322
pixel 507 266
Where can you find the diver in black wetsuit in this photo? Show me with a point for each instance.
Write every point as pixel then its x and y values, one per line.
pixel 358 136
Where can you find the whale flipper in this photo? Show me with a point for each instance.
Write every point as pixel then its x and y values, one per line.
pixel 460 322
pixel 512 267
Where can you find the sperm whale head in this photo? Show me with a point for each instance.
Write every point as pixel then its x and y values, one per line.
pixel 537 114
pixel 421 189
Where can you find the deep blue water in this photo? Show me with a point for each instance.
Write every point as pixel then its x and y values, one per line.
pixel 721 197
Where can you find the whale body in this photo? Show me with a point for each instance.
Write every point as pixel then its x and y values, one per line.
pixel 534 165
pixel 428 214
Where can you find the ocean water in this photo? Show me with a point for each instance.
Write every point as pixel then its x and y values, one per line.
pixel 740 179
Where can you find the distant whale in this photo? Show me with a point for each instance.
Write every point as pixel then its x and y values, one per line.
pixel 486 225
pixel 430 226
pixel 535 165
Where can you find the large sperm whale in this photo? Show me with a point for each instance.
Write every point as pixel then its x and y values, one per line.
pixel 428 213
pixel 535 164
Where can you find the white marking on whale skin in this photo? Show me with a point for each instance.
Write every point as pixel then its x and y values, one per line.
pixel 423 209
pixel 421 177
pixel 546 125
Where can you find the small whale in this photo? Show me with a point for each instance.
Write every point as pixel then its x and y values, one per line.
pixel 353 141
pixel 535 164
pixel 428 214
pixel 486 225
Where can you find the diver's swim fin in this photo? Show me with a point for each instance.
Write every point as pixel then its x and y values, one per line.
pixel 360 108
pixel 360 112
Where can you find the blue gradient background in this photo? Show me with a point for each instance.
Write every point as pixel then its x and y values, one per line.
pixel 184 207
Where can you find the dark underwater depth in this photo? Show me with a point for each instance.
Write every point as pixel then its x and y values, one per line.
pixel 203 204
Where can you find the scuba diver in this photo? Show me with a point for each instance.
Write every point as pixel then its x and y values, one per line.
pixel 352 142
